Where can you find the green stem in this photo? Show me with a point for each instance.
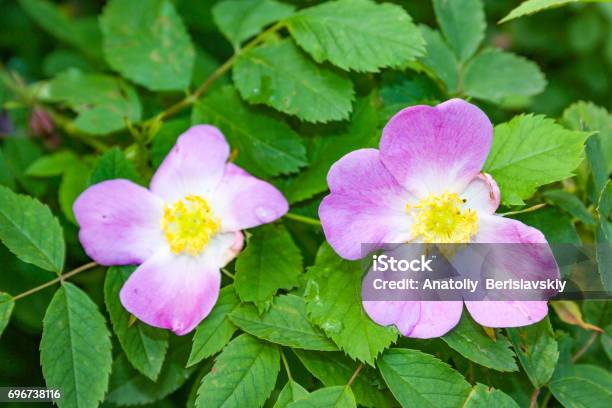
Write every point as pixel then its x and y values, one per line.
pixel 585 347
pixel 534 398
pixel 286 364
pixel 303 219
pixel 546 399
pixel 60 278
pixel 526 210
pixel 228 273
pixel 355 374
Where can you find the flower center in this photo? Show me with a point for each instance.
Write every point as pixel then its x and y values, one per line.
pixel 188 225
pixel 441 219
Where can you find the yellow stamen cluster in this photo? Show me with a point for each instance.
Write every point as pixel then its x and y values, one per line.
pixel 442 219
pixel 188 225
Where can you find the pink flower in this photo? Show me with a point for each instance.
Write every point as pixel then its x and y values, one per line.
pixel 425 184
pixel 181 230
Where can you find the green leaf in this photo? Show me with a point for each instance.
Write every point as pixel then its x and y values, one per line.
pixel 470 340
pixel 144 346
pixel 291 392
pixel 30 231
pixel 439 58
pixel 244 375
pixel 82 33
pixel 533 6
pixel 75 349
pixel 333 293
pixel 357 34
pixel 463 24
pixel 74 182
pixel 336 369
pixel 270 262
pixel 421 380
pixel 153 50
pixel 113 165
pixel 279 75
pixel 266 146
pixel 571 204
pixel 129 387
pixel 582 386
pixel 239 20
pixel 19 153
pixel 166 138
pixel 102 102
pixel 330 397
pixel 556 226
pixel 536 348
pixel 482 396
pixel 494 75
pixel 7 178
pixel 53 165
pixel 216 330
pixel 326 150
pixel 284 323
pixel 6 309
pixel 603 236
pixel 530 151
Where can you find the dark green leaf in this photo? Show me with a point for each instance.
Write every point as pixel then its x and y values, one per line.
pixel 53 165
pixel 482 396
pixel 330 397
pixel 113 165
pixel 6 309
pixel 74 182
pixel 570 203
pixel 582 386
pixel 291 392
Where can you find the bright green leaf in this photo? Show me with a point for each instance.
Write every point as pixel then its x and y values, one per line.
pixel 536 348
pixel 113 165
pixel 439 58
pixel 284 323
pixel 421 380
pixel 482 396
pixel 291 392
pixel 494 75
pixel 239 20
pixel 75 349
pixel 470 340
pixel 53 165
pixel 265 146
pixel 530 151
pixel 74 182
pixel 216 330
pixel 244 375
pixel 533 6
pixel 463 24
pixel 330 397
pixel 583 386
pixel 333 293
pixel 144 346
pixel 6 309
pixel 102 102
pixel 30 231
pixel 270 262
pixel 153 50
pixel 357 34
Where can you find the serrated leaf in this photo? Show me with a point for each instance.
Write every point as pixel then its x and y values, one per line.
pixel 494 75
pixel 75 349
pixel 463 24
pixel 265 146
pixel 291 392
pixel 582 386
pixel 144 346
pixel 113 165
pixel 244 375
pixel 284 323
pixel 357 34
pixel 153 50
pixel 571 204
pixel 74 182
pixel 336 369
pixel 101 102
pixel 270 262
pixel 53 165
pixel 239 20
pixel 530 151
pixel 6 309
pixel 471 341
pixel 30 231
pixel 533 6
pixel 330 397
pixel 332 295
pixel 439 58
pixel 421 380
pixel 216 330
pixel 129 387
pixel 536 348
pixel 482 396
pixel 279 75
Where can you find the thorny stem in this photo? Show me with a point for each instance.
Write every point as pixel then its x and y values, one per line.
pixel 526 210
pixel 585 347
pixel 286 364
pixel 534 398
pixel 303 219
pixel 60 278
pixel 355 374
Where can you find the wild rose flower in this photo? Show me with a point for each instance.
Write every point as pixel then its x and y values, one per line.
pixel 181 230
pixel 425 185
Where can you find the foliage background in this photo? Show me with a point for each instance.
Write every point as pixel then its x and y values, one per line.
pixel 65 127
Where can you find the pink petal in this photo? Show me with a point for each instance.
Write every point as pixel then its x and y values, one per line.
pixel 433 150
pixel 366 205
pixel 507 313
pixel 495 229
pixel 243 201
pixel 403 314
pixel 195 164
pixel 482 194
pixel 120 222
pixel 177 292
